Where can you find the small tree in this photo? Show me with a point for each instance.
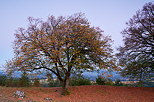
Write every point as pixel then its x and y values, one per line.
pixel 52 82
pixel 103 81
pixel 79 80
pixel 36 82
pixel 3 79
pixel 118 82
pixel 24 80
pixel 100 80
pixel 12 82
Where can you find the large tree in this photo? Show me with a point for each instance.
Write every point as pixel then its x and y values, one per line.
pixel 61 45
pixel 137 54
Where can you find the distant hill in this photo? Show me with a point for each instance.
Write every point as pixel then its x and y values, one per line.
pixel 90 75
pixel 94 75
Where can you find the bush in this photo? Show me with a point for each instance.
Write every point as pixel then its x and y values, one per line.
pixel 3 79
pixel 12 82
pixel 118 83
pixel 79 81
pixel 54 83
pixel 102 81
pixel 36 82
pixel 24 81
pixel 109 82
pixel 148 84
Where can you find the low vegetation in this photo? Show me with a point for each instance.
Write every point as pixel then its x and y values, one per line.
pixel 80 81
pixel 103 81
pixel 24 81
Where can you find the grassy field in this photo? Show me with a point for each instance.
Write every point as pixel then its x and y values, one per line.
pixel 96 93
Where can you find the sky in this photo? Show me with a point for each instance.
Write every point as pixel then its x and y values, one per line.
pixel 109 15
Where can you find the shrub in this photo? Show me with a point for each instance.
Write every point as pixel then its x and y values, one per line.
pixel 54 83
pixel 3 79
pixel 79 81
pixel 109 82
pixel 118 83
pixel 36 82
pixel 24 81
pixel 12 82
pixel 102 81
pixel 140 84
pixel 66 92
pixel 9 81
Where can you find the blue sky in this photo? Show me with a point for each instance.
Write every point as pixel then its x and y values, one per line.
pixel 109 15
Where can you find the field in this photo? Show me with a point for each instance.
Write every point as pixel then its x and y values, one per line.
pixel 95 93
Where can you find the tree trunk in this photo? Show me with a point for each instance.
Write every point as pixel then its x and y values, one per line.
pixel 141 75
pixel 65 84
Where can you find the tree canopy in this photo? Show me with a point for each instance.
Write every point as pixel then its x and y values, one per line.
pixel 137 54
pixel 62 45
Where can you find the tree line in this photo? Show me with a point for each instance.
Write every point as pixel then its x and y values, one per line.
pixel 76 80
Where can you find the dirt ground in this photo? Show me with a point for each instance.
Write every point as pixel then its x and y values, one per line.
pixel 95 93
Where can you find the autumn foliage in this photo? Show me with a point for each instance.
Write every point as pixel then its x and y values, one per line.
pixel 62 45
